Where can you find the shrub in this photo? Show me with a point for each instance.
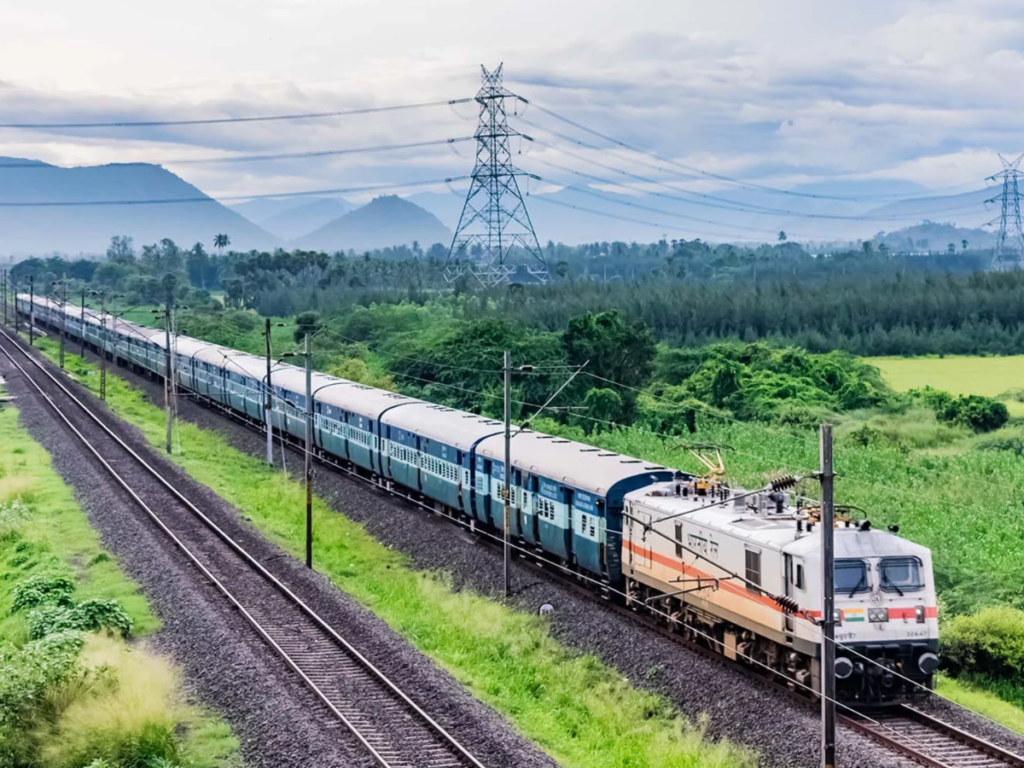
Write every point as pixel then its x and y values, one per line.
pixel 130 723
pixel 86 616
pixel 990 642
pixel 982 414
pixel 43 589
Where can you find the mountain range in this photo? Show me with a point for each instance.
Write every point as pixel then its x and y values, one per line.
pixel 78 210
pixel 46 208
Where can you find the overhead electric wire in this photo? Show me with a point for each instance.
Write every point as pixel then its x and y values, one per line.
pixel 700 172
pixel 725 204
pixel 206 199
pixel 249 119
pixel 260 157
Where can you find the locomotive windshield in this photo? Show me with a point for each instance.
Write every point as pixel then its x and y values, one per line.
pixel 901 574
pixel 851 577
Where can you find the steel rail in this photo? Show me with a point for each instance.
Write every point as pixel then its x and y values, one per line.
pixel 933 742
pixel 458 750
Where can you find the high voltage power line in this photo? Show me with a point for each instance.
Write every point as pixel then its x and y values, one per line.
pixel 248 119
pixel 272 156
pixel 205 199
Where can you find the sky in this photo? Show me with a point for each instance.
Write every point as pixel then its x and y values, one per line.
pixel 785 93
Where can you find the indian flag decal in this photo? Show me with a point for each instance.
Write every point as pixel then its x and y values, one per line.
pixel 853 614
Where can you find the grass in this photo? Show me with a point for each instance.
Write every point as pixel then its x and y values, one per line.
pixel 982 701
pixel 957 374
pixel 583 713
pixel 49 533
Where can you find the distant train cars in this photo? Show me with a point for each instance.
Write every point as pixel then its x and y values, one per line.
pixel 741 572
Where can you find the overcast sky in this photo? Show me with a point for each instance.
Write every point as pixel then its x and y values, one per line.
pixel 783 91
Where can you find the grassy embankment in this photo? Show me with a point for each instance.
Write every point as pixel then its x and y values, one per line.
pixel 89 713
pixel 998 377
pixel 578 710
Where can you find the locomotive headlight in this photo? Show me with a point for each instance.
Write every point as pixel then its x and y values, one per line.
pixel 919 613
pixel 878 614
pixel 928 663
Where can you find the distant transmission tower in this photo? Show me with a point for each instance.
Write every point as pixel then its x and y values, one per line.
pixel 1009 251
pixel 494 229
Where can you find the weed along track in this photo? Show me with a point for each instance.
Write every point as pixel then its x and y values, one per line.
pixel 393 729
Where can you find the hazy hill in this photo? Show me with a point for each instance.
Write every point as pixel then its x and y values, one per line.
pixel 383 222
pixel 308 217
pixel 261 210
pixel 87 225
pixel 931 236
pixel 965 210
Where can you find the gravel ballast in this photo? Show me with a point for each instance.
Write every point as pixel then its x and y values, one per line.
pixel 737 707
pixel 279 721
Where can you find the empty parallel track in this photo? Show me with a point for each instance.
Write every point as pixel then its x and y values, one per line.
pixel 395 731
pixel 932 742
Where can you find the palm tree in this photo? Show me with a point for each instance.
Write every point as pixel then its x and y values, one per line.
pixel 963 245
pixel 220 242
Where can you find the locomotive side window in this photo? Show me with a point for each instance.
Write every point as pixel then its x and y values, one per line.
pixel 800 577
pixel 900 574
pixel 851 577
pixel 679 540
pixel 753 563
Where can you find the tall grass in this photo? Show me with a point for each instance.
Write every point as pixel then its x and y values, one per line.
pixel 129 714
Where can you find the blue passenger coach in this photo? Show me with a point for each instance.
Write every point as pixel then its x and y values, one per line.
pixel 566 497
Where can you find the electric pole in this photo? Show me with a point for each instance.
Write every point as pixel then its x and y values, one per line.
pixel 309 450
pixel 31 310
pixel 507 494
pixel 268 406
pixel 1009 250
pixel 168 372
pixel 5 296
pixel 81 352
pixel 828 608
pixel 63 283
pixel 494 225
pixel 102 295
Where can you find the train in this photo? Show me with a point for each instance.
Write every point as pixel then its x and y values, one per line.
pixel 738 571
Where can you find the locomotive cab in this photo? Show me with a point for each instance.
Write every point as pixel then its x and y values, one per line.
pixel 886 619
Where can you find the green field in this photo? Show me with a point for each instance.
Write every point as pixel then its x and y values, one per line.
pixel 958 374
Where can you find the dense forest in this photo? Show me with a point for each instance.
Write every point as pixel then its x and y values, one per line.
pixel 867 302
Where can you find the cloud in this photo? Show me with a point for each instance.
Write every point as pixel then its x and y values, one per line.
pixel 778 93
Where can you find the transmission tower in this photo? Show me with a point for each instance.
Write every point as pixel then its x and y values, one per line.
pixel 494 229
pixel 1009 251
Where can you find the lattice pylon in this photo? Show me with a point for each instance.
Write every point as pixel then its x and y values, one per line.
pixel 495 235
pixel 1009 250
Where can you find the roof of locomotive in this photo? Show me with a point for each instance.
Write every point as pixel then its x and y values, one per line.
pixel 765 528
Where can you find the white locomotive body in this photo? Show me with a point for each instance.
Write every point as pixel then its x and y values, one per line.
pixel 743 572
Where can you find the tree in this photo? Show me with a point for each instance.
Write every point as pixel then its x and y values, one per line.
pixel 197 263
pixel 306 322
pixel 613 349
pixel 951 249
pixel 220 242
pixel 782 237
pixel 121 250
pixel 963 245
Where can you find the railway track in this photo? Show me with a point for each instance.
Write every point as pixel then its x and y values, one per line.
pixel 394 730
pixel 915 734
pixel 931 741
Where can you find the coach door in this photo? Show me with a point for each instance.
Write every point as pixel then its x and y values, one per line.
pixel 795 585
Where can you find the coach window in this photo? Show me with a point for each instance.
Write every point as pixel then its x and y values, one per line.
pixel 753 563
